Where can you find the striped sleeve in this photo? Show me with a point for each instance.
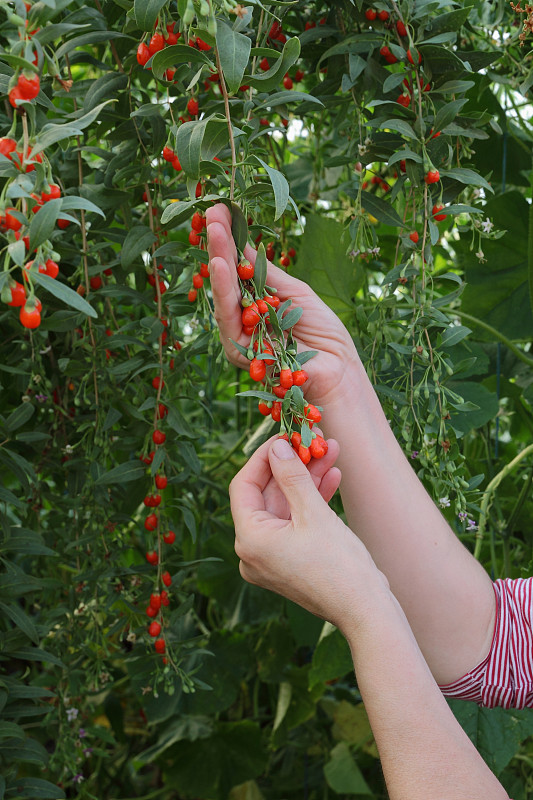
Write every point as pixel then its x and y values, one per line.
pixel 505 676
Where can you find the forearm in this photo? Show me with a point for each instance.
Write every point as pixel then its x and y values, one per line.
pixel 424 752
pixel 435 578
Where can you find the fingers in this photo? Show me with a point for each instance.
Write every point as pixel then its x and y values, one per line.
pixel 293 479
pixel 247 487
pixel 330 483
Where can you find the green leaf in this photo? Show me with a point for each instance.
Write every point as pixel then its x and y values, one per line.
pixel 106 87
pixel 19 416
pixel 381 209
pixel 174 55
pixel 291 96
pixel 35 789
pixel 260 270
pixel 21 620
pixel 393 80
pixel 258 394
pixel 342 773
pixel 146 12
pixel 190 145
pixel 291 318
pixel 399 125
pixel 43 223
pixel 331 659
pixel 447 114
pixel 30 751
pixel 404 154
pixel 52 132
pixel 234 52
pixel 138 240
pixel 280 187
pixel 453 335
pixel 267 81
pixel 239 227
pixel 451 21
pixel 484 405
pixel 454 87
pixel 179 212
pixel 123 473
pixel 64 293
pixel 440 60
pixel 88 38
pixel 71 202
pixel 467 176
pixel 322 262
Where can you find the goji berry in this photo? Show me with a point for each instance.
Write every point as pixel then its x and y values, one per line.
pixel 160 645
pixel 143 54
pixel 150 523
pixel 257 369
pixel 155 601
pixel 285 378
pixel 264 408
pixel 245 271
pixel 170 537
pixel 318 447
pixel 432 176
pixel 371 14
pixel 166 578
pixel 304 454
pixel 154 628
pixel 414 236
pixel 152 558
pixel 159 437
pixel 161 481
pixel 276 411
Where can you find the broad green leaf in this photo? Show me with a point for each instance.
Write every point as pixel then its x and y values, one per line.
pixel 467 176
pixel 453 335
pixel 450 21
pixel 190 145
pixel 179 211
pixel 10 730
pixel 484 405
pixel 405 154
pixel 234 52
pixel 394 80
pixel 331 658
pixel 239 227
pixel 291 318
pixel 440 60
pixel 17 62
pixel 43 223
pixel 23 622
pixel 322 262
pixel 71 202
pixel 105 88
pixel 19 416
pixel 64 293
pixel 123 473
pixel 342 773
pixel 267 81
pixel 29 751
pixel 93 37
pixel 399 125
pixel 454 87
pixel 381 209
pixel 258 394
pixel 146 12
pixel 280 187
pixel 447 114
pixel 52 132
pixel 291 96
pixel 174 55
pixel 138 240
pixel 35 789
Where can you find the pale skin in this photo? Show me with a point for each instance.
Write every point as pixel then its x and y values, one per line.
pixel 397 582
pixel 432 575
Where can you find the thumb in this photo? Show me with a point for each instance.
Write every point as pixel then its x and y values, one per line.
pixel 293 479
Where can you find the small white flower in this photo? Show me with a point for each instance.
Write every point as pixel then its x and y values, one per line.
pixel 487 225
pixel 444 502
pixel 362 149
pixel 72 713
pixel 481 255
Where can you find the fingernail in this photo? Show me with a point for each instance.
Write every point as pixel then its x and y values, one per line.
pixel 282 450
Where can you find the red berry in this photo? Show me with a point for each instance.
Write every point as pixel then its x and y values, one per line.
pixel 318 447
pixel 304 454
pixel 404 100
pixel 159 645
pixel 152 558
pixel 176 164
pixel 414 237
pixel 159 437
pixel 257 369
pixel 164 598
pixel 371 14
pixel 143 54
pixel 411 56
pixel 250 315
pixel 279 391
pixel 7 146
pixel 287 82
pixel 154 628
pixel 157 42
pixel 264 409
pixel 276 411
pixel 384 51
pixel 400 27
pixel 30 316
pixel 168 153
pixel 18 295
pixel 245 271
pixel 96 282
pixel 166 578
pixel 155 601
pixel 296 440
pixel 197 281
pixel 284 261
pixel 161 481
pixel 435 212
pixel 192 106
pixel 192 295
pixel 264 65
pixel 150 523
pixel 170 537
pixel 285 378
pixel 53 194
pixel 157 382
pixel 151 611
pixel 171 38
pixel 204 270
pixel 194 238
pixel 28 87
pixel 312 413
pixel 299 377
pixel 197 222
pixel 383 15
pixel 432 176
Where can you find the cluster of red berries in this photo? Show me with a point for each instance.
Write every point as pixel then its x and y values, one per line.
pixel 379 182
pixel 285 258
pixel 26 88
pixel 158 41
pixel 272 369
pixel 375 13
pixel 25 163
pixel 170 156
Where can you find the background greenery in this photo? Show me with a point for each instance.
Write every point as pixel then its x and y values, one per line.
pixel 257 698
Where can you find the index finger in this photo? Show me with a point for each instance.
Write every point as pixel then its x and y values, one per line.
pixel 247 487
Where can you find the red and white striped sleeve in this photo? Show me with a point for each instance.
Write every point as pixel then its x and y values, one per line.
pixel 505 676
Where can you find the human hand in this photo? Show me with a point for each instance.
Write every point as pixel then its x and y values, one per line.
pixel 290 541
pixel 318 329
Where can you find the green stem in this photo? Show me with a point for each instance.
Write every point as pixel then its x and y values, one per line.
pixel 489 491
pixel 497 335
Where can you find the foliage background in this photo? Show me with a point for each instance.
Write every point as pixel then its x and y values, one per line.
pixel 257 699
